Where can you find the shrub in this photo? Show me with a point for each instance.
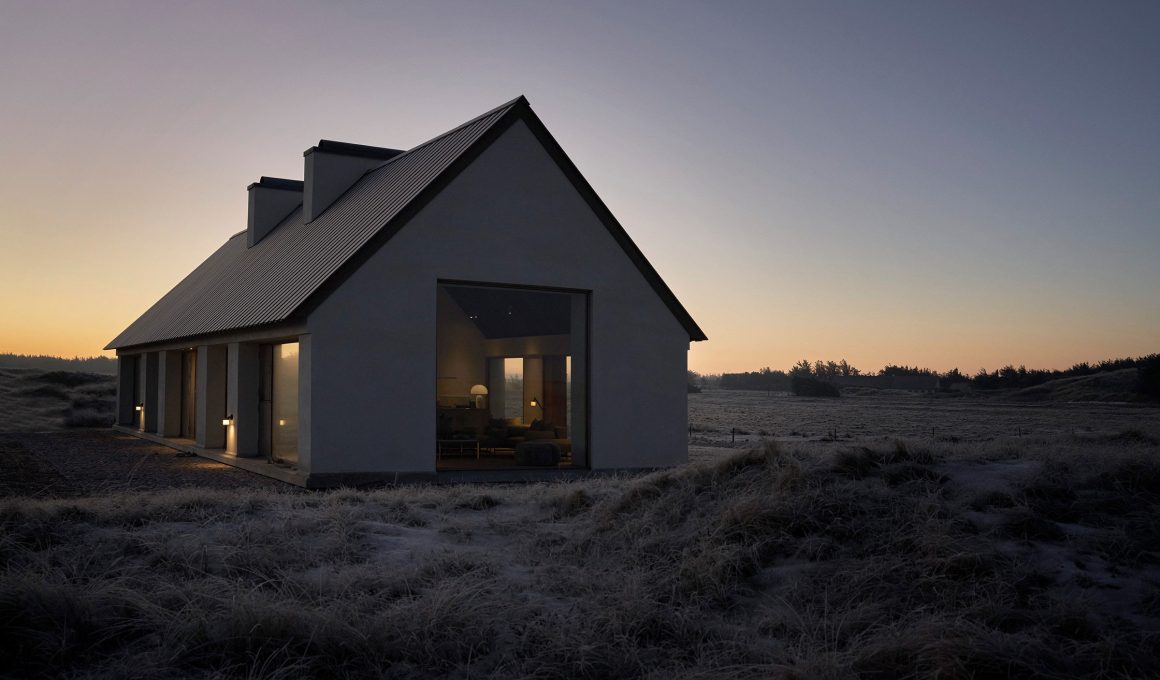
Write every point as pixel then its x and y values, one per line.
pixel 1148 377
pixel 807 386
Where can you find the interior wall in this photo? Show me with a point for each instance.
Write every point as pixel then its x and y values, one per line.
pixel 461 360
pixel 533 388
pixel 496 386
pixel 554 393
pixel 531 345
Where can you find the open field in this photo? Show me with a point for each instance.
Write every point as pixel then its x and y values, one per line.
pixel 33 400
pixel 886 415
pixel 1025 550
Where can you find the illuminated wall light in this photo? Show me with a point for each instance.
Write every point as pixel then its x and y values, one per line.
pixel 139 407
pixel 228 420
pixel 534 402
pixel 281 422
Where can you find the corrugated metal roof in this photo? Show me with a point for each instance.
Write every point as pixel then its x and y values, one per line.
pixel 240 287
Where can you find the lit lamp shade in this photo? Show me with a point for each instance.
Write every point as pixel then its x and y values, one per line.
pixel 479 392
pixel 228 420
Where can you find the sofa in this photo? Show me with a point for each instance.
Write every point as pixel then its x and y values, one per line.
pixel 506 434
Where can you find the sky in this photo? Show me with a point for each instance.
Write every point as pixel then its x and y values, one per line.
pixel 924 183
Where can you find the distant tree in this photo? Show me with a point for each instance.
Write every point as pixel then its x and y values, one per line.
pixel 765 379
pixel 809 386
pixel 891 369
pixel 953 376
pixel 1010 377
pixel 49 363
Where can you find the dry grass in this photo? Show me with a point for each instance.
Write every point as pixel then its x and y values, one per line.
pixel 1029 557
pixel 33 400
pixel 883 416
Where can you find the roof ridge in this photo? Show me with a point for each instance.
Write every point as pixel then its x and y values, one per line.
pixel 506 105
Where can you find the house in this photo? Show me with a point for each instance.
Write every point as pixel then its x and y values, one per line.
pixel 466 309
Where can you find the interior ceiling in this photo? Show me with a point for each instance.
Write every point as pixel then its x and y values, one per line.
pixel 513 313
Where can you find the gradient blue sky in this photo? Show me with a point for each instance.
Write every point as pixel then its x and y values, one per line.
pixel 948 184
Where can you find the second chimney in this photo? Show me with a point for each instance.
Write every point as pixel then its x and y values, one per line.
pixel 333 167
pixel 272 199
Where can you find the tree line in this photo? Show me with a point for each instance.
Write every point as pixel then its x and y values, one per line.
pixel 1008 377
pixel 47 363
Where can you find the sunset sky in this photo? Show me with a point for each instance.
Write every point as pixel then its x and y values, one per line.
pixel 942 184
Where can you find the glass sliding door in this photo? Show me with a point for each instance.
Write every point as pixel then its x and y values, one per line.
pixel 278 402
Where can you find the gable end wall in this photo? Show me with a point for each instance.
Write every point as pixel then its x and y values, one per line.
pixel 509 217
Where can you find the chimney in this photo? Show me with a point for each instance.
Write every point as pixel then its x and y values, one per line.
pixel 333 167
pixel 271 201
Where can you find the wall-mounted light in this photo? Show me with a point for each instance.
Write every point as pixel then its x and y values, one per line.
pixel 228 420
pixel 139 407
pixel 281 422
pixel 534 402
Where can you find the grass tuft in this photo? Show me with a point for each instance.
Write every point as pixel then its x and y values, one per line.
pixel 774 562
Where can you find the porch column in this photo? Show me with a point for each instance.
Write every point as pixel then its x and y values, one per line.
pixel 169 394
pixel 125 393
pixel 242 399
pixel 211 396
pixel 149 396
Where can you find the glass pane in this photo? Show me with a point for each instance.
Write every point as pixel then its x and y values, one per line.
pixel 527 347
pixel 513 392
pixel 284 406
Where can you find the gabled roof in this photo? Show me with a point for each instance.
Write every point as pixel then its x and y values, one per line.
pixel 296 266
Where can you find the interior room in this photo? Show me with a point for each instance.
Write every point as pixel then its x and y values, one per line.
pixel 511 377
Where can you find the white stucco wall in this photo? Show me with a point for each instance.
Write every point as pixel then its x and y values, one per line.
pixel 510 217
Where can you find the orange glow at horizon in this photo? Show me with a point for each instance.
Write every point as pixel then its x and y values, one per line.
pixel 861 183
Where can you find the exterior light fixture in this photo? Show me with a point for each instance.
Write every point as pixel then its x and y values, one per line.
pixel 534 402
pixel 228 420
pixel 281 422
pixel 139 407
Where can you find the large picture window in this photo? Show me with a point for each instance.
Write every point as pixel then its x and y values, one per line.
pixel 511 385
